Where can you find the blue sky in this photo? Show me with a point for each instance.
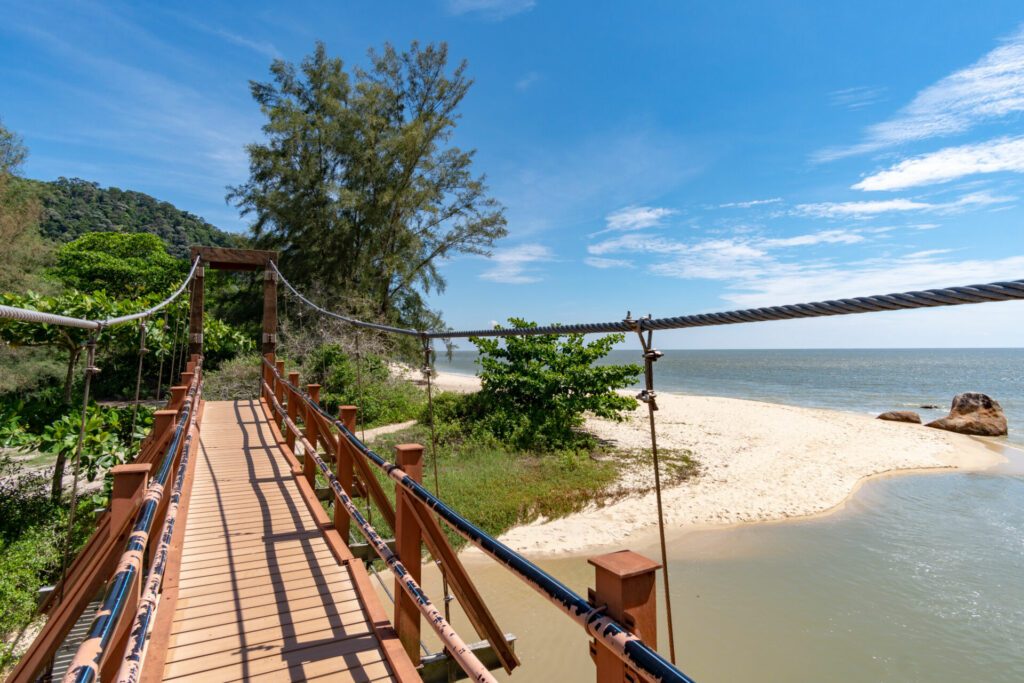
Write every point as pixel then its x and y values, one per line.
pixel 662 158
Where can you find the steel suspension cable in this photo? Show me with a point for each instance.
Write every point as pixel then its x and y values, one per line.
pixel 1012 290
pixel 428 372
pixel 90 370
pixel 138 377
pixel 647 395
pixel 31 316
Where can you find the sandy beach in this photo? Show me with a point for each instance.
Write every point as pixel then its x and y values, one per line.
pixel 759 462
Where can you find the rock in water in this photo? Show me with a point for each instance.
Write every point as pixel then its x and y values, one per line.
pixel 901 416
pixel 973 413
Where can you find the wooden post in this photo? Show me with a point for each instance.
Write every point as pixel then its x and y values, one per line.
pixel 195 316
pixel 128 489
pixel 624 583
pixel 163 420
pixel 269 311
pixel 293 408
pixel 343 469
pixel 177 397
pixel 266 374
pixel 312 433
pixel 408 539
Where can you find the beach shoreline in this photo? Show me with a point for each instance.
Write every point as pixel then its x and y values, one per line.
pixel 760 463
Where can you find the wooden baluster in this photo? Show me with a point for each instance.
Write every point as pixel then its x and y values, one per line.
pixel 624 584
pixel 408 539
pixel 293 407
pixel 312 433
pixel 279 386
pixel 343 469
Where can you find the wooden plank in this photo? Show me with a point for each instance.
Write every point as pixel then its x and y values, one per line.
pixel 261 592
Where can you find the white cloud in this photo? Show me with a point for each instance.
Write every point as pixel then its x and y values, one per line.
pixel 747 205
pixel 855 98
pixel 823 237
pixel 991 88
pixel 513 265
pixel 868 209
pixel 788 283
pixel 1002 154
pixel 605 263
pixel 637 217
pixel 527 81
pixel 859 209
pixel 494 10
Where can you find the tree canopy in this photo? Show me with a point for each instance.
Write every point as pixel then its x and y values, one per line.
pixel 358 184
pixel 123 264
pixel 72 207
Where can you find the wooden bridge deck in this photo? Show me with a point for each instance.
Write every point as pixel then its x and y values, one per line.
pixel 260 596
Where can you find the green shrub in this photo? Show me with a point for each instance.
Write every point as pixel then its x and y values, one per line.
pixel 381 398
pixel 235 379
pixel 536 389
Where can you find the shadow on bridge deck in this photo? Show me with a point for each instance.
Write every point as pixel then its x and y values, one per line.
pixel 261 597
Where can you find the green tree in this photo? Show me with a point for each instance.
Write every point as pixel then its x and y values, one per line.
pixel 536 389
pixel 358 184
pixel 23 251
pixel 122 264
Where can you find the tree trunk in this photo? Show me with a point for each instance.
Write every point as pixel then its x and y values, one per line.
pixel 57 485
pixel 69 378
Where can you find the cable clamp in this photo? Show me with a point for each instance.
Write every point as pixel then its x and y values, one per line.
pixel 196 338
pixel 270 275
pixel 648 396
pixel 269 338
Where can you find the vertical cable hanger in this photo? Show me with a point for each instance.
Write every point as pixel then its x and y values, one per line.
pixel 648 396
pixel 90 370
pixel 138 376
pixel 160 372
pixel 428 372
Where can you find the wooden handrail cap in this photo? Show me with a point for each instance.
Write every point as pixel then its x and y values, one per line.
pixel 624 563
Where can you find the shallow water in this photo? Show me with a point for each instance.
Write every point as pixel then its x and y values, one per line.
pixel 918 578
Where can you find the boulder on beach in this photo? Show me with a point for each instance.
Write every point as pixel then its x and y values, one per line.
pixel 901 416
pixel 973 413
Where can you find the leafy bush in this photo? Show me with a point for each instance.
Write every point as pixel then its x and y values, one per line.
pixel 536 389
pixel 235 379
pixel 122 264
pixel 381 398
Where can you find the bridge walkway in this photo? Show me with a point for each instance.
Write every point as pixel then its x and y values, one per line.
pixel 260 595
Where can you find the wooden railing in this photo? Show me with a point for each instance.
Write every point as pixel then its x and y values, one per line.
pixel 413 524
pixel 99 559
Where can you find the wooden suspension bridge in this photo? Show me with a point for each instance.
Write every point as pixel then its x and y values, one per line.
pixel 218 560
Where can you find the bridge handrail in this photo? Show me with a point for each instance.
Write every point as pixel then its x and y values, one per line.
pixel 31 316
pixel 90 655
pixel 453 643
pixel 626 646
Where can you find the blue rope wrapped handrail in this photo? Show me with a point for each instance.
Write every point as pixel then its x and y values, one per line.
pixel 85 667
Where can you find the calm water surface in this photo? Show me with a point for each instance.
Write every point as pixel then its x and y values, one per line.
pixel 918 578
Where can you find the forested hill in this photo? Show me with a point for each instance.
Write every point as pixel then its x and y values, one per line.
pixel 73 207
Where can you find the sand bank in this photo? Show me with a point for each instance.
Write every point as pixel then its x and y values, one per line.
pixel 759 462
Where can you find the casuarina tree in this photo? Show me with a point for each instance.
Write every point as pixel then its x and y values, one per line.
pixel 358 183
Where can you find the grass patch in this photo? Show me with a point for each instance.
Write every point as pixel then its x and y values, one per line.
pixel 235 380
pixel 497 488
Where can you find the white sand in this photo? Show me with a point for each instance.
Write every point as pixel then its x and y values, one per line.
pixel 759 462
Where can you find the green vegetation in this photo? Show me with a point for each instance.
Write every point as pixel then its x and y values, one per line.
pixel 122 265
pixel 359 165
pixel 366 383
pixel 73 207
pixel 476 473
pixel 536 389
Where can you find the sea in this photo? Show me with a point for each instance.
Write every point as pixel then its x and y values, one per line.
pixel 919 577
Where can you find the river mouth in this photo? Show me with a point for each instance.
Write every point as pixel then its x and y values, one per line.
pixel 917 577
